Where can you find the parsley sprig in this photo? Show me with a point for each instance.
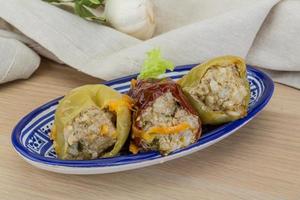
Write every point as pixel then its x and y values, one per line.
pixel 155 65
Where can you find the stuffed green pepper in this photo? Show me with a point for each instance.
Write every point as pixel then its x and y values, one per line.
pixel 91 121
pixel 218 89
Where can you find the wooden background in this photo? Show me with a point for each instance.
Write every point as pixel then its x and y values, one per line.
pixel 260 161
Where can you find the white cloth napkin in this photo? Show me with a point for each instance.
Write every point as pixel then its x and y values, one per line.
pixel 19 61
pixel 265 32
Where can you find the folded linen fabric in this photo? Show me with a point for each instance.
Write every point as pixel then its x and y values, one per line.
pixel 18 59
pixel 265 32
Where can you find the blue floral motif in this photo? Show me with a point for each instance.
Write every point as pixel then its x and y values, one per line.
pixel 46 129
pixel 256 88
pixel 36 142
pixel 50 153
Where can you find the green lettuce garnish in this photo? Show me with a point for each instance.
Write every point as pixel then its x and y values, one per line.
pixel 154 65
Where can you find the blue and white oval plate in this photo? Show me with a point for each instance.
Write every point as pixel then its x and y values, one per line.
pixel 30 137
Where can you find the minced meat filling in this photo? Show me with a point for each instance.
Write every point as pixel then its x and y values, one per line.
pixel 90 134
pixel 166 112
pixel 222 89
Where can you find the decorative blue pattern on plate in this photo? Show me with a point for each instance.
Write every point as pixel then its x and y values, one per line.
pixel 31 140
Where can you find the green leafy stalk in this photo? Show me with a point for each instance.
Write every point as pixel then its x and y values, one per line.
pixel 82 8
pixel 154 65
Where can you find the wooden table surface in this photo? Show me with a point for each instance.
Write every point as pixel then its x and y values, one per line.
pixel 260 161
